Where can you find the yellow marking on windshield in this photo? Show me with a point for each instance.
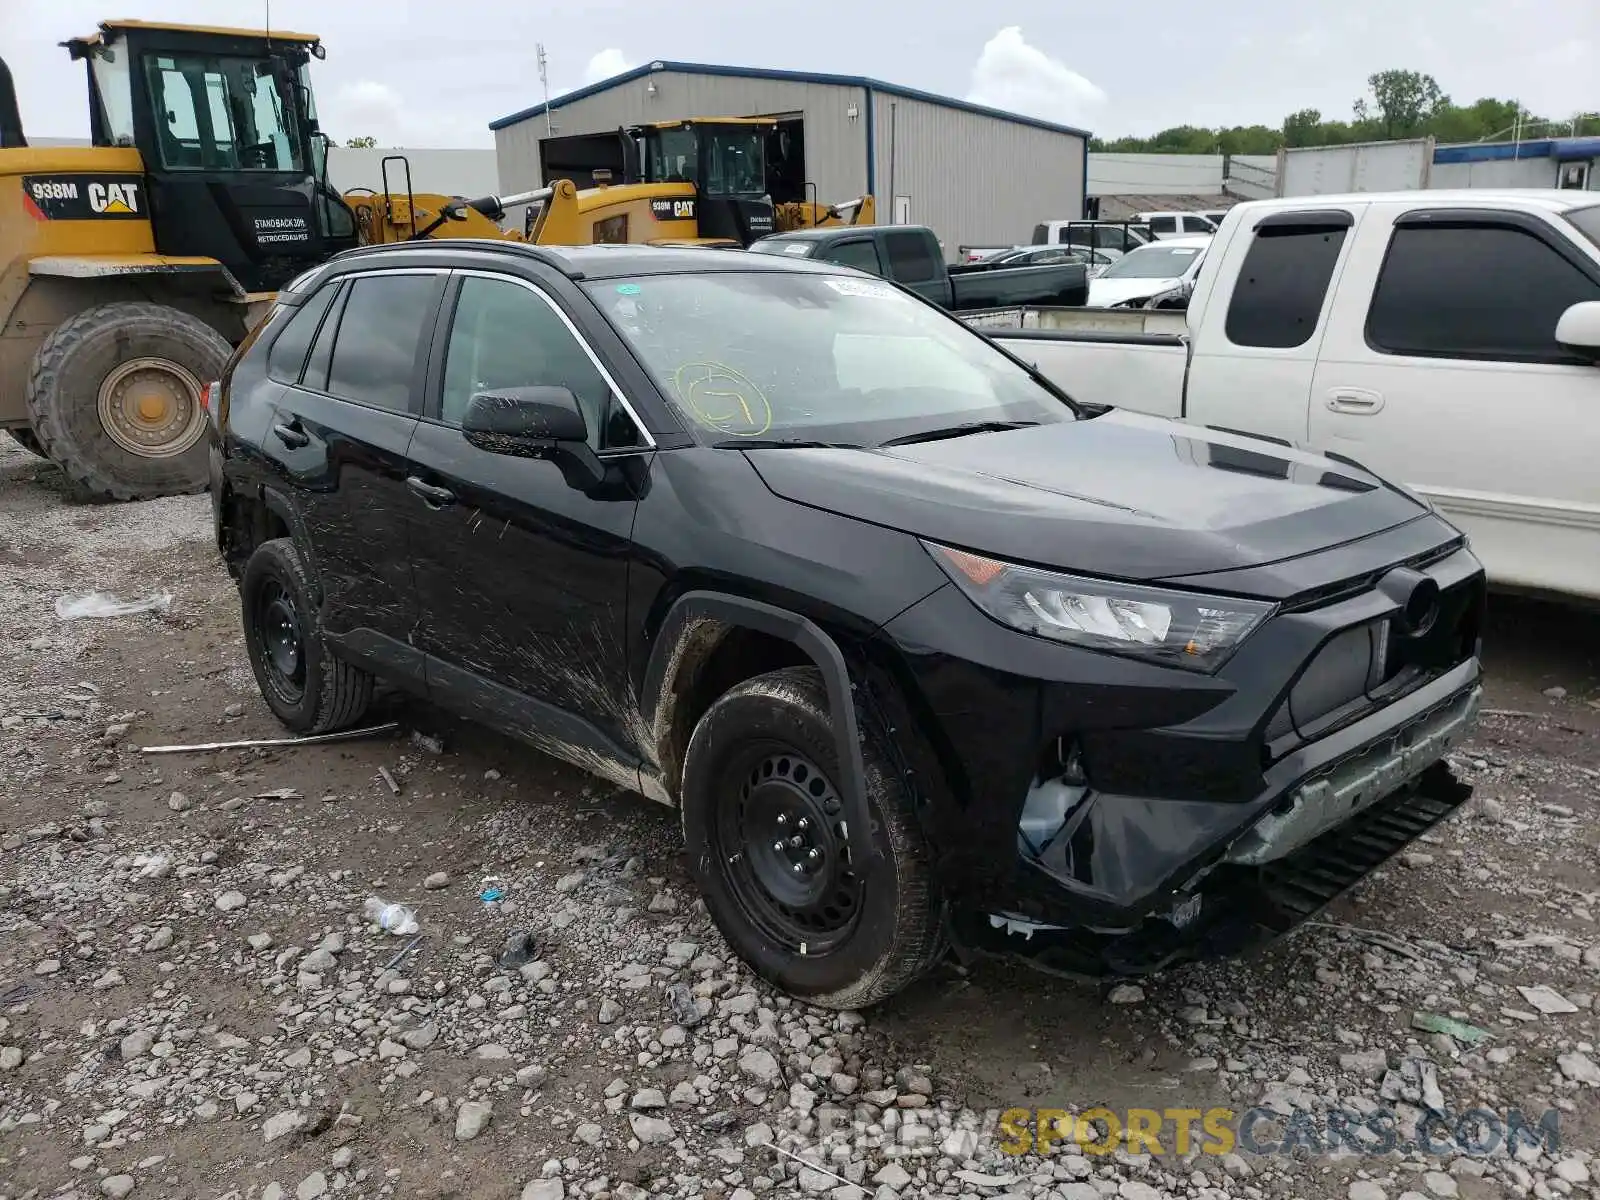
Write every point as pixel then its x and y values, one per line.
pixel 723 399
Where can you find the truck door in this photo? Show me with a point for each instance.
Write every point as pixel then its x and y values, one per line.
pixel 1255 350
pixel 1441 371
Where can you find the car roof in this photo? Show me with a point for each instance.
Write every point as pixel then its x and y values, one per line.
pixel 1195 239
pixel 591 262
pixel 1543 199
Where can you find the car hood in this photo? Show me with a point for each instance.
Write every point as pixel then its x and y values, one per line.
pixel 1103 292
pixel 1122 496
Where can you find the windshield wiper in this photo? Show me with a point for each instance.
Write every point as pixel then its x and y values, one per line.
pixel 954 431
pixel 780 444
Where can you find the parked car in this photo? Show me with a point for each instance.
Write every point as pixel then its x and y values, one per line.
pixel 919 650
pixel 1157 275
pixel 1449 339
pixel 1042 256
pixel 1177 224
pixel 1121 236
pixel 909 255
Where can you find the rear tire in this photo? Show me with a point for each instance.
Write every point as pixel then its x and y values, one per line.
pixel 763 820
pixel 307 688
pixel 114 398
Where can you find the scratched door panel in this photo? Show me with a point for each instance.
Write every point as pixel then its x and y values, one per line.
pixel 522 579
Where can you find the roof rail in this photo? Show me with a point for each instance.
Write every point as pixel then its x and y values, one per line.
pixel 544 254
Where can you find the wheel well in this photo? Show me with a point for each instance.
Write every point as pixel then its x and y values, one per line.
pixel 739 654
pixel 247 522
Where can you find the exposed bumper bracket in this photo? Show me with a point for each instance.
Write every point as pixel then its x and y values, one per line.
pixel 1356 783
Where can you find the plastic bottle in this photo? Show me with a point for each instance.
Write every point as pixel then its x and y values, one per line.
pixel 395 918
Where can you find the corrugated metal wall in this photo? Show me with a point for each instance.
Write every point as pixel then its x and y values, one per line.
pixel 976 180
pixel 836 145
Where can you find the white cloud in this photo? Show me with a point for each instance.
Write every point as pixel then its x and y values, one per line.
pixel 1012 75
pixel 368 108
pixel 604 65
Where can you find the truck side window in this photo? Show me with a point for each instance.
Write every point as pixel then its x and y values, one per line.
pixel 910 259
pixel 1484 292
pixel 1282 284
pixel 1163 224
pixel 860 254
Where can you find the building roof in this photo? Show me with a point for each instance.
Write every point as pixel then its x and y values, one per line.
pixel 1565 149
pixel 860 81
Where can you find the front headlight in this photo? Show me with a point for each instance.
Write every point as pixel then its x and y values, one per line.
pixel 1178 629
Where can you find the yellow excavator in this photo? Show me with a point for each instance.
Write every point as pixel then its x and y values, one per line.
pixel 130 268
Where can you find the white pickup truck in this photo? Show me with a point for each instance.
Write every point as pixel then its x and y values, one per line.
pixel 1448 340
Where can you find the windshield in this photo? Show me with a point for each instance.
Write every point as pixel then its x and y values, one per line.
pixel 222 113
pixel 736 162
pixel 1588 222
pixel 780 356
pixel 1154 262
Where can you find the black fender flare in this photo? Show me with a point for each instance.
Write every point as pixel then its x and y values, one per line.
pixel 276 503
pixel 824 653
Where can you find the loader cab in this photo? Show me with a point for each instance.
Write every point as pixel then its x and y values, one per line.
pixel 725 159
pixel 225 123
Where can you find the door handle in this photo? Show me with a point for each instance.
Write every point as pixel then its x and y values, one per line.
pixel 1359 401
pixel 433 497
pixel 291 435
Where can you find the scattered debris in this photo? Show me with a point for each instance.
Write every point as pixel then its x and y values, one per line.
pixel 1547 1000
pixel 1471 1035
pixel 104 604
pixel 383 774
pixel 315 739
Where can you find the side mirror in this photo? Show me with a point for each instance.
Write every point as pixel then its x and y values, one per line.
pixel 1578 329
pixel 524 421
pixel 535 422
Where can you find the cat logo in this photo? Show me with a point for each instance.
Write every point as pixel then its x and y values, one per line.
pixel 120 199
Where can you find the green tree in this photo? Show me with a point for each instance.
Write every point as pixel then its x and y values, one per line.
pixel 1303 128
pixel 1402 102
pixel 361 143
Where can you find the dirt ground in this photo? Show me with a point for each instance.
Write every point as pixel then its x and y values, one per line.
pixel 192 1005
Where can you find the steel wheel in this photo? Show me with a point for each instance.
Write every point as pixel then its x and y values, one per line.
pixel 781 831
pixel 151 407
pixel 282 640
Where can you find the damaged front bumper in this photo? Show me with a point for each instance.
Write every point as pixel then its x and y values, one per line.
pixel 1332 814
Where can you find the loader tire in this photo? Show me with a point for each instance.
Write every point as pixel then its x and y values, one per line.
pixel 26 439
pixel 115 399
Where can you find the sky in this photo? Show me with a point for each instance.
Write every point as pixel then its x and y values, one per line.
pixel 435 74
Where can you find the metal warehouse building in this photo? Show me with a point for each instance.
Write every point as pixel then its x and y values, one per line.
pixel 977 175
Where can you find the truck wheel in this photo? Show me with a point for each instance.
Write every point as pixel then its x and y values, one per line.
pixel 114 397
pixel 764 823
pixel 307 688
pixel 26 439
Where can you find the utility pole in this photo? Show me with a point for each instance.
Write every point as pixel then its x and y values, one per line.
pixel 544 80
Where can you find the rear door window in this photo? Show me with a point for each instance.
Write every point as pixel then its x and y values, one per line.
pixel 1163 224
pixel 289 349
pixel 1479 291
pixel 1277 299
pixel 911 258
pixel 862 255
pixel 379 345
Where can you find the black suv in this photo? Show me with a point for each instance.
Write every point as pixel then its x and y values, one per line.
pixel 925 654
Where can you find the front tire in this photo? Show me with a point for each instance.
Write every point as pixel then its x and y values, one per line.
pixel 115 399
pixel 307 688
pixel 763 819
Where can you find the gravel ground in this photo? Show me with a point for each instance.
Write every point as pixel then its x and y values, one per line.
pixel 193 1005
